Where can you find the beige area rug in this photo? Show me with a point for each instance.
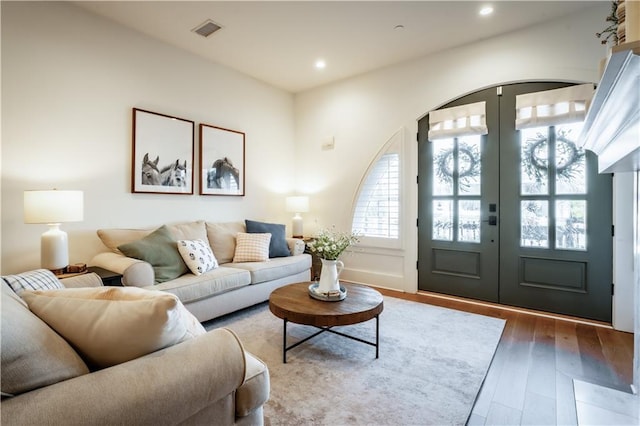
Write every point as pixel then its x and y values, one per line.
pixel 432 364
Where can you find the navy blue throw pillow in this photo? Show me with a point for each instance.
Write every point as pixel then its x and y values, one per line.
pixel 278 246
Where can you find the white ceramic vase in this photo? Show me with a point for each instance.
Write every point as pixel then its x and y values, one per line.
pixel 329 276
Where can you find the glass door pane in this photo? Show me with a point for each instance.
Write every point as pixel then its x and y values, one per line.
pixel 443 166
pixel 443 220
pixel 534 161
pixel 570 164
pixel 571 224
pixel 469 165
pixel 534 223
pixel 469 221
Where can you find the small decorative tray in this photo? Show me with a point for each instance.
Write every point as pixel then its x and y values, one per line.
pixel 334 296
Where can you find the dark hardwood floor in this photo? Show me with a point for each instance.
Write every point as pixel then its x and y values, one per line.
pixel 530 380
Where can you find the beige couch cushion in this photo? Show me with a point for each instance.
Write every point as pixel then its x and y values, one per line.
pixel 194 230
pixel 222 238
pixel 111 325
pixel 254 392
pixel 33 355
pixel 90 279
pixel 190 288
pixel 275 268
pixel 112 238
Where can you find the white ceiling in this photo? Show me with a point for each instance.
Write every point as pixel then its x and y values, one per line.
pixel 279 42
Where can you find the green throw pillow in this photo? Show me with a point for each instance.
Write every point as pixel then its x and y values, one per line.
pixel 160 249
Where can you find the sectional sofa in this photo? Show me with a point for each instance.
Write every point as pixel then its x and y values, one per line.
pixel 56 371
pixel 243 274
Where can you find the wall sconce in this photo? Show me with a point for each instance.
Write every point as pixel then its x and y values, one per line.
pixel 53 207
pixel 297 205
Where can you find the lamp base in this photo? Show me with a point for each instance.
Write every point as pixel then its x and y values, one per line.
pixel 54 248
pixel 296 226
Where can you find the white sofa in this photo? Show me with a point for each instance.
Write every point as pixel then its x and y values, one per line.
pixel 227 288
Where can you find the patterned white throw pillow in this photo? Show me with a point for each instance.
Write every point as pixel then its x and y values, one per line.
pixel 197 255
pixel 38 279
pixel 252 247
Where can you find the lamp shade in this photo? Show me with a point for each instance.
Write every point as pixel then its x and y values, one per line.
pixel 299 204
pixel 53 206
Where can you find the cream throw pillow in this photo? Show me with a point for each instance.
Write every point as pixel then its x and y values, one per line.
pixel 111 325
pixel 252 247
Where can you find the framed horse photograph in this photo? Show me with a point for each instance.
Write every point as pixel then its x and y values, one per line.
pixel 163 150
pixel 221 161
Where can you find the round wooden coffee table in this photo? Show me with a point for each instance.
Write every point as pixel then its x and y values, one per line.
pixel 293 303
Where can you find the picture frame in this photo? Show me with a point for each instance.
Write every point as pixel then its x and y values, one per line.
pixel 163 153
pixel 222 161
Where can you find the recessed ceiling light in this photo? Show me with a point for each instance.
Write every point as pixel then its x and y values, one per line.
pixel 486 10
pixel 321 64
pixel 399 27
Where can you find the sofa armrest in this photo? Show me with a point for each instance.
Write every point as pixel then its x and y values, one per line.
pixel 135 272
pixel 166 387
pixel 85 280
pixel 296 246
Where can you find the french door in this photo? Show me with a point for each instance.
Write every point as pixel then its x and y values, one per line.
pixel 515 217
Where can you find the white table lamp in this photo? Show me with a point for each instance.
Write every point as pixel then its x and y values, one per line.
pixel 53 207
pixel 297 205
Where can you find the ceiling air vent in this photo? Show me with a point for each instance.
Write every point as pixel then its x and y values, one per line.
pixel 207 28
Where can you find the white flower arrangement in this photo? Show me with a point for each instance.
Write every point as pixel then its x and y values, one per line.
pixel 329 244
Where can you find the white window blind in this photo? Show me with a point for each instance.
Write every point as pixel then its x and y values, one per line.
pixel 553 107
pixel 377 206
pixel 462 120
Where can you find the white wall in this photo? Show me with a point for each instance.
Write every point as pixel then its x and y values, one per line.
pixel 636 278
pixel 623 252
pixel 69 82
pixel 362 113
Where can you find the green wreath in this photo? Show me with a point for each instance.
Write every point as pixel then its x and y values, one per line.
pixel 445 165
pixel 535 157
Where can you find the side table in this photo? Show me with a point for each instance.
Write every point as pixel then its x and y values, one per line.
pixel 316 263
pixel 109 278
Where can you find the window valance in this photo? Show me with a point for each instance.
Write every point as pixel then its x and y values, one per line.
pixel 463 120
pixel 553 107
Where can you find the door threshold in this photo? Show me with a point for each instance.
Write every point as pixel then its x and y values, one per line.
pixel 526 311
